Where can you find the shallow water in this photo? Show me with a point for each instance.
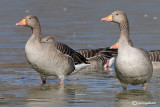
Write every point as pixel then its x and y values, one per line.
pixel 76 23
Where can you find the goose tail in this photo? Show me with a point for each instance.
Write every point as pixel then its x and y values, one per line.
pixel 109 62
pixel 79 67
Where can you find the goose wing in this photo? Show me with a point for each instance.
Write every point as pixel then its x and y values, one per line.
pixel 78 58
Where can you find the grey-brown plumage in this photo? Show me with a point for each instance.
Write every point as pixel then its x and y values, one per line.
pixel 155 55
pixel 96 57
pixel 45 58
pixel 99 57
pixel 97 61
pixel 132 65
pixel 107 52
pixel 78 58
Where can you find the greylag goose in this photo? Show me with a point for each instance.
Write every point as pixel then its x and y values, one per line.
pixel 101 57
pixel 138 67
pixel 50 59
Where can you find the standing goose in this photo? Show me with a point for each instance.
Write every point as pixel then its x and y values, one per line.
pixel 132 65
pixel 46 58
pixel 101 57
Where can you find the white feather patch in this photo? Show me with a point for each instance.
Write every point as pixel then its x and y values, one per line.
pixel 79 67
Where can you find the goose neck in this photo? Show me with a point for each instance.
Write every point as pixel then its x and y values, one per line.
pixel 124 40
pixel 36 33
pixel 124 30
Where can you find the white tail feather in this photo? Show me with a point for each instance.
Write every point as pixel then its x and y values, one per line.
pixel 111 61
pixel 79 67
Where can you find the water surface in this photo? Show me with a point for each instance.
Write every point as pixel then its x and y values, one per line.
pixel 76 23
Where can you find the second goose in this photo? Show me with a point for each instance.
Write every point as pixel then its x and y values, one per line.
pixel 132 65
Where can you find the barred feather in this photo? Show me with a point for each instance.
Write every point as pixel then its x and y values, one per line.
pixel 78 58
pixel 99 60
pixel 98 57
pixel 106 52
pixel 155 55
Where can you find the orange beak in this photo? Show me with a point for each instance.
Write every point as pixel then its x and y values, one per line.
pixel 21 23
pixel 115 46
pixel 108 18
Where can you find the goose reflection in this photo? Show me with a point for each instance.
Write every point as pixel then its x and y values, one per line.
pixel 133 97
pixel 56 94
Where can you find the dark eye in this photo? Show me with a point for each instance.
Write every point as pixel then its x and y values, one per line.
pixel 30 18
pixel 116 14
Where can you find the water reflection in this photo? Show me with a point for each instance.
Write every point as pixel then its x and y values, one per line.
pixel 133 97
pixel 56 94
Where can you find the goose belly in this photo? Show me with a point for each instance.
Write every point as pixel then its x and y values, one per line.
pixel 133 69
pixel 50 64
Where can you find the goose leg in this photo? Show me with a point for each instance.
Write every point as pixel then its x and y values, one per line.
pixel 107 65
pixel 62 79
pixel 124 86
pixel 144 86
pixel 61 83
pixel 43 78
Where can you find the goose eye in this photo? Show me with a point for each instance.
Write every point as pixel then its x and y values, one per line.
pixel 116 14
pixel 30 18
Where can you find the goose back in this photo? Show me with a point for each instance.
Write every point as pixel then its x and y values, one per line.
pixel 105 52
pixel 65 49
pixel 78 58
pixel 155 55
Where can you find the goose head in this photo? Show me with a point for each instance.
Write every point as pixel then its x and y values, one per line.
pixel 29 21
pixel 116 16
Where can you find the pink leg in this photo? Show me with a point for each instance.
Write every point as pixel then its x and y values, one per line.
pixel 62 79
pixel 107 65
pixel 61 83
pixel 144 86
